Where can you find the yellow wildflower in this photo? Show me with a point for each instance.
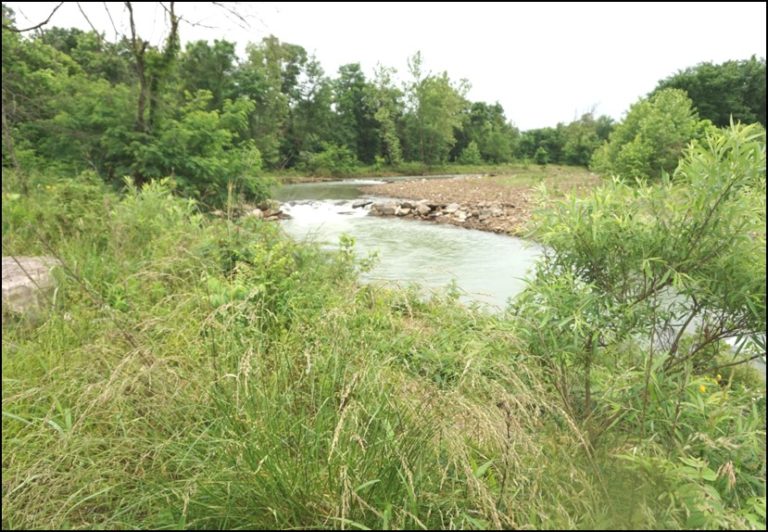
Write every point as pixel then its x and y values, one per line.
pixel 702 388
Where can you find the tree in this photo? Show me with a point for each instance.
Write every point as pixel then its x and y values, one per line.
pixel 435 108
pixel 209 67
pixel 658 273
pixel 551 139
pixel 583 137
pixel 651 138
pixel 471 154
pixel 731 89
pixel 488 128
pixel 270 78
pixel 386 101
pixel 310 117
pixel 356 125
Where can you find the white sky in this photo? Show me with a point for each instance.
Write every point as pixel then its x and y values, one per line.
pixel 545 63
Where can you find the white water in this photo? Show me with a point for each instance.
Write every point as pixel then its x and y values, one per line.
pixel 487 268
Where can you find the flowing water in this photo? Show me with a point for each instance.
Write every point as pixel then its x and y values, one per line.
pixel 487 268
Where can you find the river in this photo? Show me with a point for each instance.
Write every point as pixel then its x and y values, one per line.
pixel 486 267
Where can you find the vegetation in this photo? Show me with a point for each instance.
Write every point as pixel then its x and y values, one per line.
pixel 193 371
pixel 734 90
pixel 651 139
pixel 202 373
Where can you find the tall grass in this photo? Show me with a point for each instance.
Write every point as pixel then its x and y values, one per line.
pixel 203 373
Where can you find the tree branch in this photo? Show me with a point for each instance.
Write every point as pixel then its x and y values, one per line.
pixel 43 23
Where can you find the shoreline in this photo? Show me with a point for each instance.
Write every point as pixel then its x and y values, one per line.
pixel 474 202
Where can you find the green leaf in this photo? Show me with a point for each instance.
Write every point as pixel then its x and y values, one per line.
pixel 480 471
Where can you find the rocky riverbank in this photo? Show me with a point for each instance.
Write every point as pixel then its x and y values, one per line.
pixel 475 202
pixel 485 215
pixel 471 202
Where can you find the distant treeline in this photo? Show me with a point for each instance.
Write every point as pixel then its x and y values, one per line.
pixel 75 101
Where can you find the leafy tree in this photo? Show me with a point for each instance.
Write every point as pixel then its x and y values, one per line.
pixel 551 139
pixel 270 78
pixel 657 273
pixel 386 101
pixel 731 89
pixel 203 151
pixel 435 111
pixel 333 160
pixel 651 138
pixel 488 128
pixel 356 125
pixel 203 66
pixel 541 156
pixel 310 115
pixel 583 137
pixel 471 154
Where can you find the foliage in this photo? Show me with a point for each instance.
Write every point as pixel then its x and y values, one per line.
pixel 435 107
pixel 541 156
pixel 471 154
pixel 333 160
pixel 651 138
pixel 639 286
pixel 733 90
pixel 201 150
pixel 207 369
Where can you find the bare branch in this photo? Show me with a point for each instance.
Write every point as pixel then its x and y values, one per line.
pixel 98 35
pixel 106 8
pixel 245 25
pixel 43 23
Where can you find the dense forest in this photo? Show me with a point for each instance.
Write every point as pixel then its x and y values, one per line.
pixel 74 101
pixel 192 366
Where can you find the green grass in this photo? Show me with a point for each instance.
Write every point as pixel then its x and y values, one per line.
pixel 202 373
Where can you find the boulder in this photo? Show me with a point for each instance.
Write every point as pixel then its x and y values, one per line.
pixel 27 283
pixel 422 209
pixel 451 208
pixel 256 213
pixel 386 208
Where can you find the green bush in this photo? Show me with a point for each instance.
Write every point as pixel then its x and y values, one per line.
pixel 471 154
pixel 333 160
pixel 541 156
pixel 652 137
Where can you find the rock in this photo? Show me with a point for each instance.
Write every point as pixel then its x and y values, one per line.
pixel 218 213
pixel 451 208
pixel 256 213
pixel 27 282
pixel 422 209
pixel 461 215
pixel 406 204
pixel 269 205
pixel 359 204
pixel 496 211
pixel 400 211
pixel 385 208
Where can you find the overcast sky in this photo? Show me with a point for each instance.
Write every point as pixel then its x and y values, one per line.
pixel 545 63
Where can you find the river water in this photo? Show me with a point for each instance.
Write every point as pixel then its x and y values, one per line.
pixel 486 267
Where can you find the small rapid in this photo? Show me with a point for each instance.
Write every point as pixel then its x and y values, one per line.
pixel 486 267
